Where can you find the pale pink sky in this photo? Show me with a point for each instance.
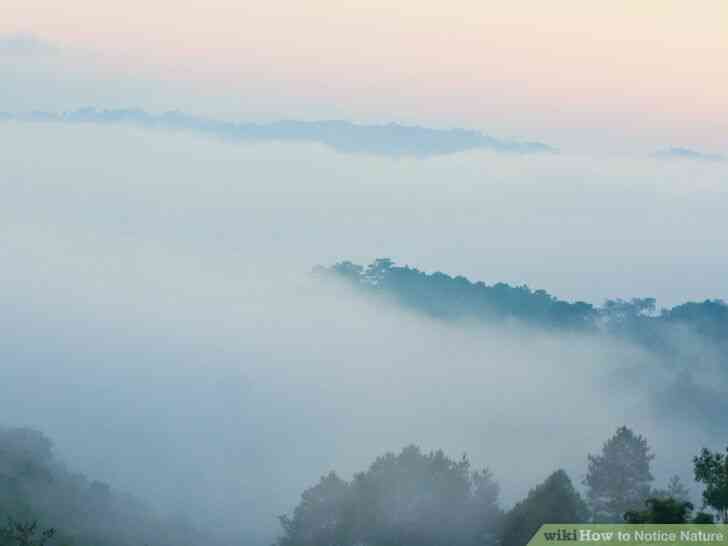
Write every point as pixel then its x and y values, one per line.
pixel 565 71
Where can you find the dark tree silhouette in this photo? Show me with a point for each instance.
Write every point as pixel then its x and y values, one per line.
pixel 443 296
pixel 410 498
pixel 17 533
pixel 618 479
pixel 554 501
pixel 675 489
pixel 661 510
pixel 711 469
pixel 321 517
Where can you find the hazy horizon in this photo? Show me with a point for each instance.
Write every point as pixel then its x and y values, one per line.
pixel 629 77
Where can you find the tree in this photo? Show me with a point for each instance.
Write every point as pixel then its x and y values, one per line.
pixel 619 478
pixel 410 498
pixel 378 270
pixel 620 311
pixel 424 499
pixel 554 501
pixel 661 510
pixel 17 533
pixel 484 514
pixel 675 489
pixel 711 469
pixel 349 271
pixel 703 517
pixel 320 517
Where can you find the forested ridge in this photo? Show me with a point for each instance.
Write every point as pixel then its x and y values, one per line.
pixel 690 339
pixel 457 298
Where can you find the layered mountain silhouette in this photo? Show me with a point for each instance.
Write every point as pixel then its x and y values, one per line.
pixel 389 140
pixel 687 153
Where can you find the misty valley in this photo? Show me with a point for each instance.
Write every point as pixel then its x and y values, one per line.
pixel 407 495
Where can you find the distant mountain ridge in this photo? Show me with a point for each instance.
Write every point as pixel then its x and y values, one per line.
pixel 660 332
pixel 390 139
pixel 687 153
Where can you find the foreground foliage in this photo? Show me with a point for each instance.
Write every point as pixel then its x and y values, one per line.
pixel 408 498
pixel 36 489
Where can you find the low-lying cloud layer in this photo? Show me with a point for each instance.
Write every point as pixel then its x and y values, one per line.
pixel 389 140
pixel 687 153
pixel 161 326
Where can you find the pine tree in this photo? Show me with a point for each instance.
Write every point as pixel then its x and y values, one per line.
pixel 618 480
pixel 554 501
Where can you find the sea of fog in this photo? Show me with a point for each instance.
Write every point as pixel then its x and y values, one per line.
pixel 161 326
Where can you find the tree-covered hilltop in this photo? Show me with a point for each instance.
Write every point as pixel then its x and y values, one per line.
pixel 443 296
pixel 456 298
pixel 36 487
pixel 690 339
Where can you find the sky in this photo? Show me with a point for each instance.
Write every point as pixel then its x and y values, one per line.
pixel 619 76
